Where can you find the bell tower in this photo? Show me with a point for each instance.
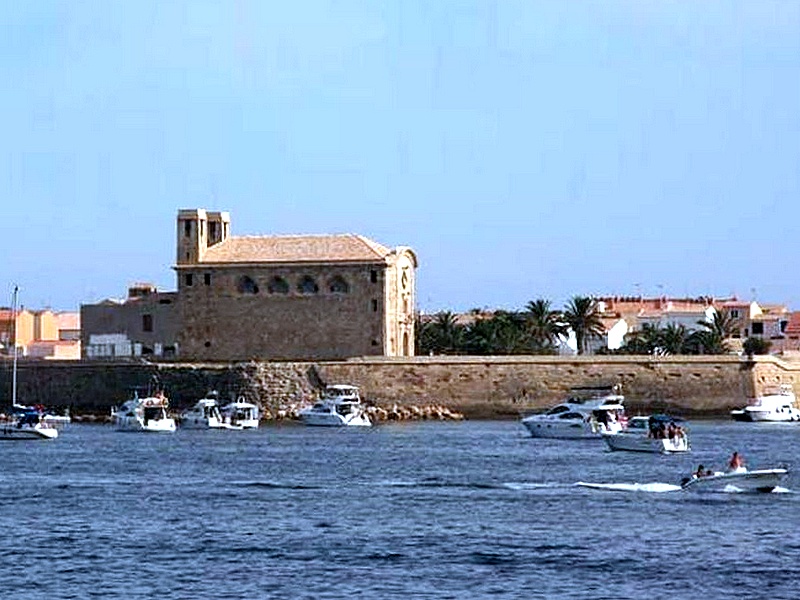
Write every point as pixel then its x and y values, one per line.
pixel 192 238
pixel 219 227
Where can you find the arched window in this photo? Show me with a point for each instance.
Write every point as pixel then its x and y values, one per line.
pixel 278 285
pixel 307 285
pixel 246 285
pixel 338 285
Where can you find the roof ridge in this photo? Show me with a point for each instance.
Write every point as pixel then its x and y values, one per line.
pixel 289 235
pixel 371 245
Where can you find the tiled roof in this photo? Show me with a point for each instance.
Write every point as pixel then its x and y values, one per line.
pixel 296 248
pixel 793 327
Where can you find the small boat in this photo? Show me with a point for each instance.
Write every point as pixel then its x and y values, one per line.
pixel 48 416
pixel 27 425
pixel 144 414
pixel 655 434
pixel 205 414
pixel 339 406
pixel 737 480
pixel 240 415
pixel 22 423
pixel 778 405
pixel 586 414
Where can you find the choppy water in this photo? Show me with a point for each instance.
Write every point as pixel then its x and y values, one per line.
pixel 421 510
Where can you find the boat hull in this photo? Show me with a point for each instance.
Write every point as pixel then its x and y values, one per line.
pixel 9 431
pixel 334 420
pixel 153 426
pixel 203 423
pixel 553 429
pixel 636 442
pixel 762 480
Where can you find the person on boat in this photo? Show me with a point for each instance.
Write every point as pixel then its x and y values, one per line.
pixel 736 463
pixel 701 472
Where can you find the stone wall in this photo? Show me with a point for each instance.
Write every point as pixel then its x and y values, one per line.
pixel 476 386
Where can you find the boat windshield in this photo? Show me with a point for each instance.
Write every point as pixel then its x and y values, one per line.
pixel 558 409
pixel 571 415
pixel 153 412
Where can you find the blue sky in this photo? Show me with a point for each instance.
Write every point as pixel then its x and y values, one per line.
pixel 523 149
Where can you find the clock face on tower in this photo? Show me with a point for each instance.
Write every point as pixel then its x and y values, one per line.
pixel 404 279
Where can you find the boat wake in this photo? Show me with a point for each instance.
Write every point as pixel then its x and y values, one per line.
pixel 655 487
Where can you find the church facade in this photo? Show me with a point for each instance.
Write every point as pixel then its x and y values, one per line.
pixel 299 297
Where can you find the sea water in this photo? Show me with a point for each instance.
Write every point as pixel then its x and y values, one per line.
pixel 414 510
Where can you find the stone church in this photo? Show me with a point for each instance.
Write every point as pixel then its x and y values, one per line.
pixel 291 297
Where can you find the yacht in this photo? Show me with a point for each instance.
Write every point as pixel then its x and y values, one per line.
pixel 48 416
pixel 204 414
pixel 26 425
pixel 655 434
pixel 775 406
pixel 737 480
pixel 586 414
pixel 144 414
pixel 240 415
pixel 339 406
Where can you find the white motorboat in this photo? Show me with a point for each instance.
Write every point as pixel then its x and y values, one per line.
pixel 240 415
pixel 778 405
pixel 655 434
pixel 23 423
pixel 28 425
pixel 48 417
pixel 339 406
pixel 587 414
pixel 205 414
pixel 737 480
pixel 144 414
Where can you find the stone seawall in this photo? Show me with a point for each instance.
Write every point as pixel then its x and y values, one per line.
pixel 479 387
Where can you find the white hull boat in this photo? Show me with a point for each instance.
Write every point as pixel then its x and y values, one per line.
pixel 240 415
pixel 144 414
pixel 636 442
pixel 27 426
pixel 644 435
pixel 580 418
pixel 778 406
pixel 205 414
pixel 739 480
pixel 340 406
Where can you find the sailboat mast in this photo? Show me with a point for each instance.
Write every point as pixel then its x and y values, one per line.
pixel 14 368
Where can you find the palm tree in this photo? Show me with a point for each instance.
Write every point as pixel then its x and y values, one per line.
pixel 712 338
pixel 544 325
pixel 441 335
pixel 501 334
pixel 643 341
pixel 673 339
pixel 583 317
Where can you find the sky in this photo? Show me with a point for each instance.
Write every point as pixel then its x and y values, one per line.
pixel 523 149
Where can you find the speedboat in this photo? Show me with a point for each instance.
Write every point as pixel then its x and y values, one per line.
pixel 339 406
pixel 144 414
pixel 586 414
pixel 26 425
pixel 737 480
pixel 774 406
pixel 204 414
pixel 656 434
pixel 240 414
pixel 48 416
